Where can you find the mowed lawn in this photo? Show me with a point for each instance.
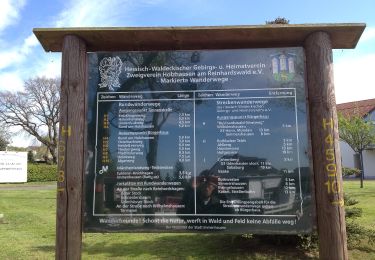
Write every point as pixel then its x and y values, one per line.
pixel 27 231
pixel 366 198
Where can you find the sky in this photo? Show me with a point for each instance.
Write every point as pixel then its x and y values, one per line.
pixel 22 57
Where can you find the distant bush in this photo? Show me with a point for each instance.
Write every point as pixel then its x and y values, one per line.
pixel 41 172
pixel 30 157
pixel 350 171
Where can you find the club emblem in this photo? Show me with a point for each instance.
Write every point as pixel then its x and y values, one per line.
pixel 110 70
pixel 283 66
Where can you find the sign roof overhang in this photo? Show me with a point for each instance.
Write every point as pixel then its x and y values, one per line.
pixel 343 36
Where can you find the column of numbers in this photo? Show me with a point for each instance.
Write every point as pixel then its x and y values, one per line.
pixel 184 120
pixel 184 148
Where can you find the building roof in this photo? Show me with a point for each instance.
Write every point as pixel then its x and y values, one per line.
pixel 361 108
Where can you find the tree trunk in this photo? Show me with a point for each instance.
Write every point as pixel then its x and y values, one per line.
pixel 52 151
pixel 361 167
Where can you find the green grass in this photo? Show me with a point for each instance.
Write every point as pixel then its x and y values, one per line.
pixel 28 225
pixel 28 232
pixel 28 184
pixel 366 198
pixel 181 246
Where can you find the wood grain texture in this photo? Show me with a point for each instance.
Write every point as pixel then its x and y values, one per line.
pixel 203 37
pixel 322 111
pixel 61 197
pixel 72 130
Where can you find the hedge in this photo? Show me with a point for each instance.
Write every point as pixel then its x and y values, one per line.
pixel 41 172
pixel 351 171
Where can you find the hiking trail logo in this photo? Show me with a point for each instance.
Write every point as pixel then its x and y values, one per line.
pixel 283 66
pixel 110 70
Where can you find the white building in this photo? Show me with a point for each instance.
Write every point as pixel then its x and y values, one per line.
pixel 365 109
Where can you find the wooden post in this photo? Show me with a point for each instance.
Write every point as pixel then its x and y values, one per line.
pixel 326 153
pixel 71 149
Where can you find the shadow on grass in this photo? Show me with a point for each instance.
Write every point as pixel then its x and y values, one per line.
pixel 45 249
pixel 200 246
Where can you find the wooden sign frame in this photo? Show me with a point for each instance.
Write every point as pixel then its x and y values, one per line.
pixel 317 40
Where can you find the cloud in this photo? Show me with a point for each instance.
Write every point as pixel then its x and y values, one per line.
pixel 30 42
pixel 13 70
pixel 10 12
pixel 368 35
pixel 354 78
pixel 85 13
pixel 20 138
pixel 88 13
pixel 15 65
pixel 18 54
pixel 11 81
pixel 49 66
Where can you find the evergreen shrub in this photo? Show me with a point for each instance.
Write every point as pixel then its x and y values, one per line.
pixel 41 172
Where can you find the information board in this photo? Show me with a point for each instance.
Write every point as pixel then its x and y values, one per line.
pixel 207 140
pixel 13 167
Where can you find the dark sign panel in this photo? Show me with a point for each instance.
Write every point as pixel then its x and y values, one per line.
pixel 198 141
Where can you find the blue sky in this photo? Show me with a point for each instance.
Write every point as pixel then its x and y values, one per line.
pixel 22 57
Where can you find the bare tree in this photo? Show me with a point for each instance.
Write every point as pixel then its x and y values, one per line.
pixel 4 137
pixel 35 110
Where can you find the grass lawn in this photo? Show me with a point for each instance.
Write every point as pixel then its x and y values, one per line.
pixel 28 184
pixel 27 231
pixel 366 198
